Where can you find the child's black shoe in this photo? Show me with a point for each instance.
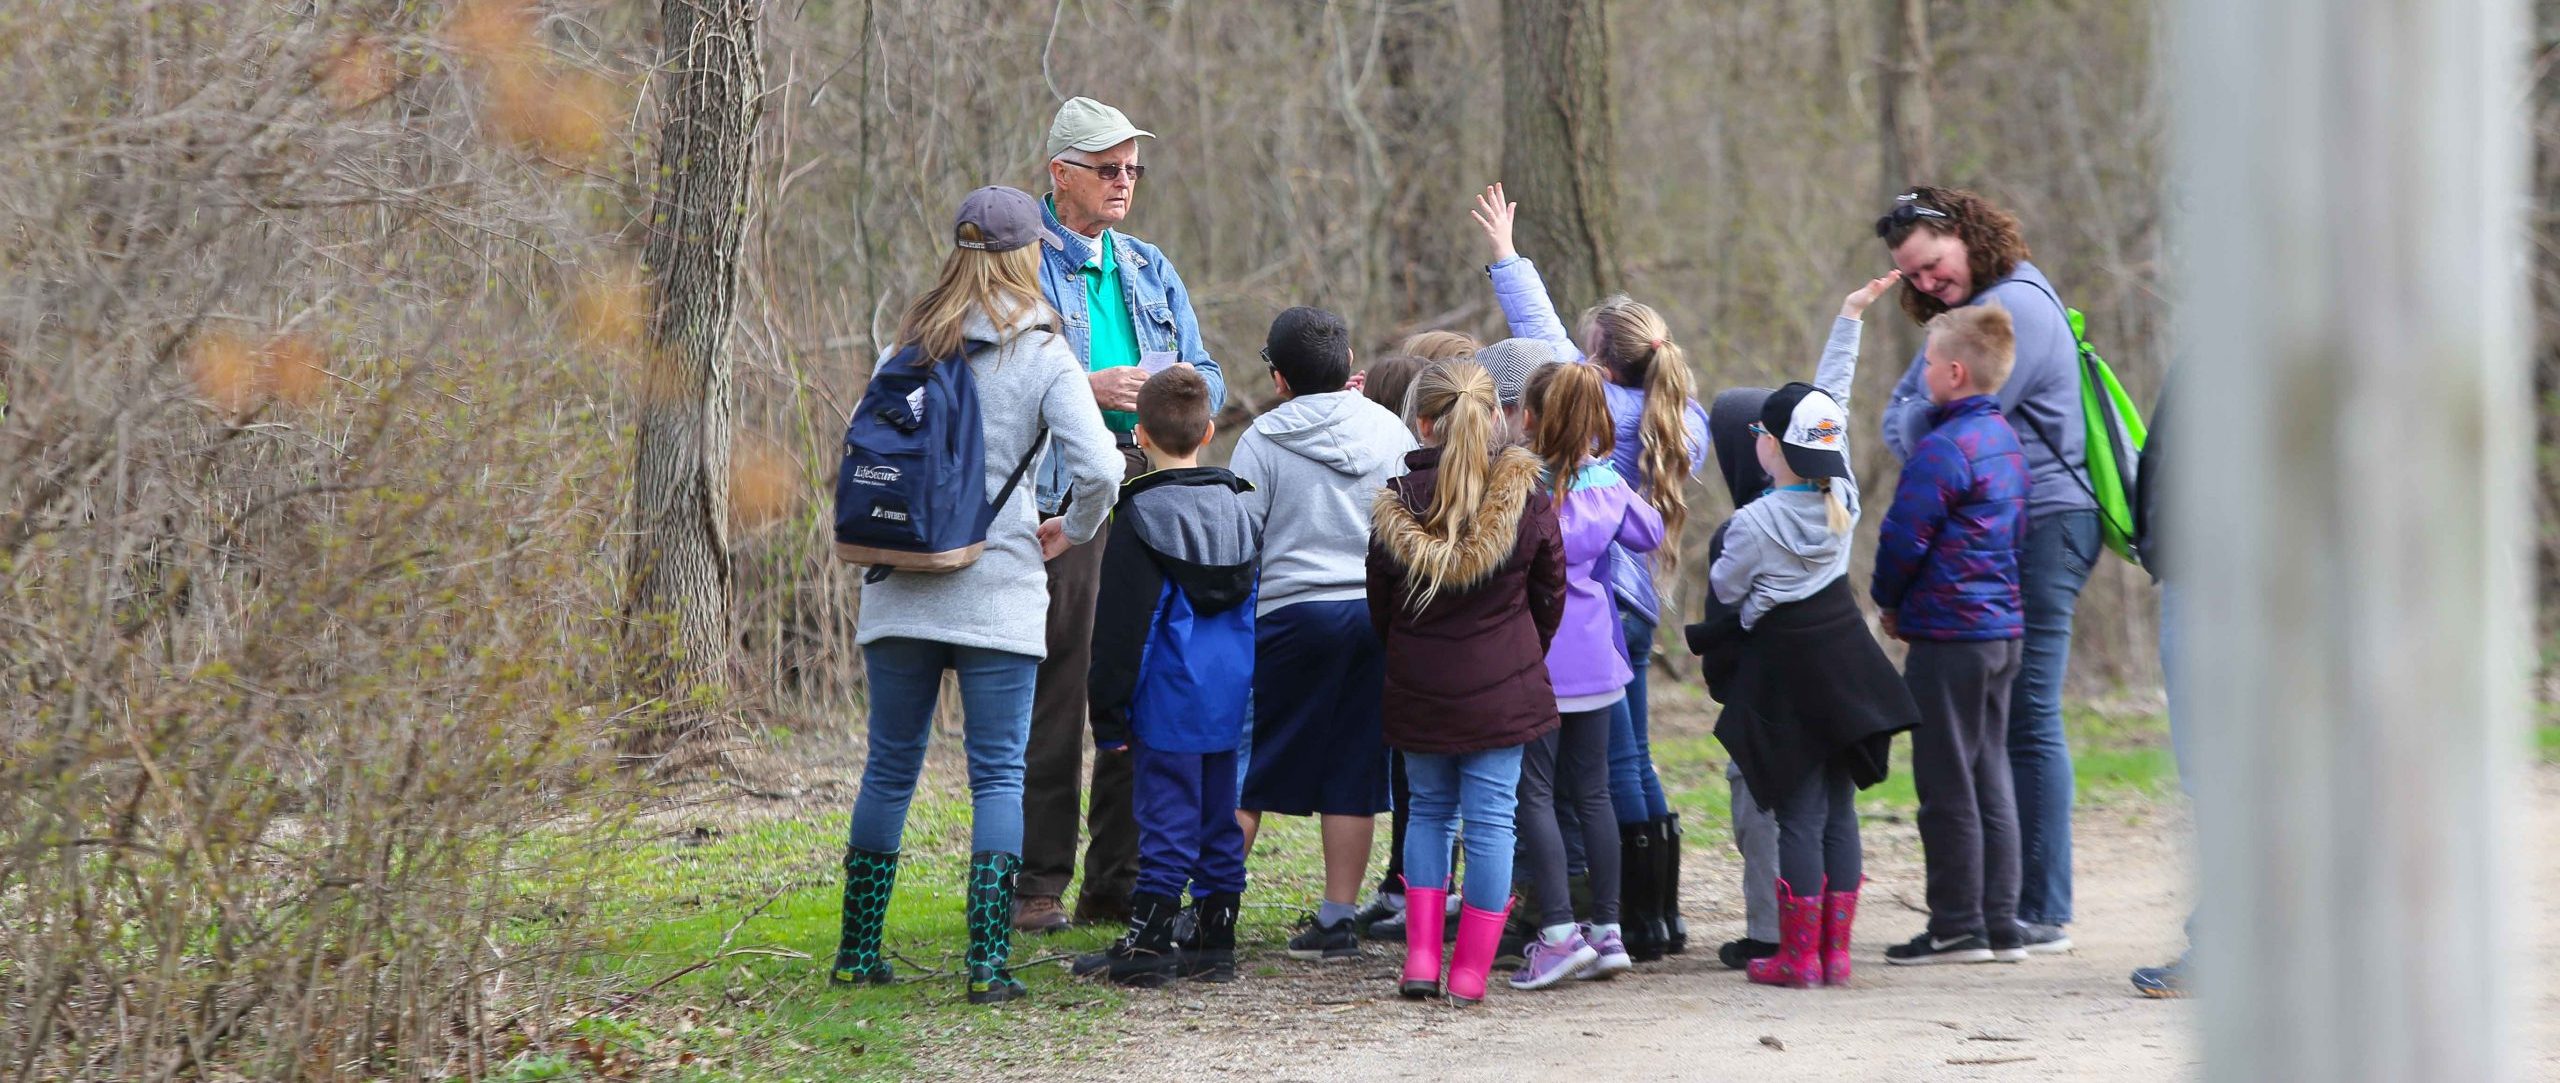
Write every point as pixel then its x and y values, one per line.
pixel 1144 957
pixel 1335 943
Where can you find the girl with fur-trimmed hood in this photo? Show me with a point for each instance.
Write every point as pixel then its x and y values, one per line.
pixel 1466 589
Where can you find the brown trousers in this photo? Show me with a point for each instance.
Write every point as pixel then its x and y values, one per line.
pixel 1053 764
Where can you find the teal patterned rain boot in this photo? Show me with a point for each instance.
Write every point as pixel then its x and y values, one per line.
pixel 868 876
pixel 991 878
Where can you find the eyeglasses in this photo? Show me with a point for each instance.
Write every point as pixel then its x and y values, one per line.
pixel 1110 171
pixel 1907 209
pixel 1266 359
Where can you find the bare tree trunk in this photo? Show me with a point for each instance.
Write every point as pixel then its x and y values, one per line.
pixel 2545 112
pixel 1558 153
pixel 676 639
pixel 1429 277
pixel 1903 110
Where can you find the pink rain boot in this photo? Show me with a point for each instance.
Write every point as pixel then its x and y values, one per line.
pixel 1839 912
pixel 1479 933
pixel 1798 964
pixel 1425 910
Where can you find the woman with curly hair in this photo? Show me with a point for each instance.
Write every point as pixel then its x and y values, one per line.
pixel 1954 249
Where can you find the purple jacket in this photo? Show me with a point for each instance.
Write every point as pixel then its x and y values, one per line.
pixel 1947 555
pixel 1525 307
pixel 1599 512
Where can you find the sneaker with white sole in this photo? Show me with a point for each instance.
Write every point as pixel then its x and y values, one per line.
pixel 2045 939
pixel 1335 943
pixel 2009 945
pixel 1613 959
pixel 1552 962
pixel 1927 950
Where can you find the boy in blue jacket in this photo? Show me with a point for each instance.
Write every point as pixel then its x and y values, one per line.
pixel 1947 582
pixel 1172 663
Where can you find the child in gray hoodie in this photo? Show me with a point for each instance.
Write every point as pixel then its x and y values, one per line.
pixel 1316 463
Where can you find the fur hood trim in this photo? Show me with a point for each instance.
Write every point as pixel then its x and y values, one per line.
pixel 1484 542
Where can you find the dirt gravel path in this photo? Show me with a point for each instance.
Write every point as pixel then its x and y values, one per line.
pixel 2054 1017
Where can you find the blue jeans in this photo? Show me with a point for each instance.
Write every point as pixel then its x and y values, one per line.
pixel 1187 830
pixel 1634 789
pixel 2181 724
pixel 2052 568
pixel 995 699
pixel 1483 790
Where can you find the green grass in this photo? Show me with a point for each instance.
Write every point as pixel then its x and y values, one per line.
pixel 715 942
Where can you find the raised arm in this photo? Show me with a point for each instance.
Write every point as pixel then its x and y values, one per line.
pixel 1516 285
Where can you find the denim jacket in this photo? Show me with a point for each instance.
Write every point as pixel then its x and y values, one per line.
pixel 1159 308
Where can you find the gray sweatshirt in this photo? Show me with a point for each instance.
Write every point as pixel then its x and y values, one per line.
pixel 2043 392
pixel 1780 547
pixel 1316 462
pixel 1002 601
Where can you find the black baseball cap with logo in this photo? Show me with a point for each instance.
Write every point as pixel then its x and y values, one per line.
pixel 1812 430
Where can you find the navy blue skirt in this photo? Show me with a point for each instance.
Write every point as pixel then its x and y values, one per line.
pixel 1318 676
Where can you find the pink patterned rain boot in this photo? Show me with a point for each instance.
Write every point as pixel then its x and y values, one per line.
pixel 1798 964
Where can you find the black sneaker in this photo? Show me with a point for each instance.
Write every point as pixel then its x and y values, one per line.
pixel 1335 943
pixel 1927 950
pixel 2009 945
pixel 1372 920
pixel 2045 939
pixel 1737 954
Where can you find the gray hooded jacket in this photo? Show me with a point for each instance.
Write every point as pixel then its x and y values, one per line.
pixel 1780 547
pixel 1316 463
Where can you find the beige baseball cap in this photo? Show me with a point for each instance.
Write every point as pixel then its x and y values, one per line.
pixel 1086 124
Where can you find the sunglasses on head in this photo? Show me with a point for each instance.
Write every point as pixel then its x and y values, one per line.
pixel 1110 171
pixel 1907 209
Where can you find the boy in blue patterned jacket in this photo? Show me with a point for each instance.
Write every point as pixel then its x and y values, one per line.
pixel 1947 581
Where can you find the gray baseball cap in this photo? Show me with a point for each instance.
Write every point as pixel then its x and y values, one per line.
pixel 1086 124
pixel 1511 361
pixel 1008 218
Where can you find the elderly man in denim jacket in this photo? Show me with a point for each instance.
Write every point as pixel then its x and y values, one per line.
pixel 1127 317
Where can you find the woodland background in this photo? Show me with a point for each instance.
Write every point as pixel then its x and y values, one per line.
pixel 325 339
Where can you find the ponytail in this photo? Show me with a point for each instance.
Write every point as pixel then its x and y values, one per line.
pixel 1457 397
pixel 1835 510
pixel 1573 421
pixel 1634 342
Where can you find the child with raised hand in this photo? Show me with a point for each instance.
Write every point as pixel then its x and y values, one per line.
pixel 1812 704
pixel 1596 510
pixel 1659 440
pixel 1947 582
pixel 1173 660
pixel 1466 585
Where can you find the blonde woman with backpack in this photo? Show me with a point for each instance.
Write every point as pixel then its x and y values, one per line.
pixel 987 620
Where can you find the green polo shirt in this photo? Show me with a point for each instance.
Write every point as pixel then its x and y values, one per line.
pixel 1114 340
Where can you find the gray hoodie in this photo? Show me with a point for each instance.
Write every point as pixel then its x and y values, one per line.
pixel 1316 463
pixel 1780 547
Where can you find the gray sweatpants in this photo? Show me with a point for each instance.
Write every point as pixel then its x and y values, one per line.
pixel 1755 833
pixel 1569 768
pixel 1960 766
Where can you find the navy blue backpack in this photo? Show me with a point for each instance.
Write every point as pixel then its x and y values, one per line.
pixel 911 492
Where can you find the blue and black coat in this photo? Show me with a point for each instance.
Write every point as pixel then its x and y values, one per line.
pixel 1173 629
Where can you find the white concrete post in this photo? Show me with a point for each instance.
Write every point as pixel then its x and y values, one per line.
pixel 2353 527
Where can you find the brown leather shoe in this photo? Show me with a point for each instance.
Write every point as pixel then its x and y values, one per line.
pixel 1038 914
pixel 1103 910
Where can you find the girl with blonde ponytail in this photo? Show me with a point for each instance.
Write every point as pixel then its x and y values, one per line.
pixel 1466 589
pixel 1660 441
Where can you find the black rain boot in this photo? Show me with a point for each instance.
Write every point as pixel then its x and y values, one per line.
pixel 1144 956
pixel 1639 901
pixel 1214 959
pixel 868 876
pixel 990 910
pixel 1677 940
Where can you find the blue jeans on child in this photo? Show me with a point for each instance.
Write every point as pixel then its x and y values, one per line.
pixel 995 700
pixel 1635 791
pixel 1187 830
pixel 1482 789
pixel 2053 566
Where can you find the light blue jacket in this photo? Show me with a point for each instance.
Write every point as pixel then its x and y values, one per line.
pixel 1159 309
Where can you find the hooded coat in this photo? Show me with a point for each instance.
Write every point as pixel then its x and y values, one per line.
pixel 1173 628
pixel 1467 672
pixel 1316 463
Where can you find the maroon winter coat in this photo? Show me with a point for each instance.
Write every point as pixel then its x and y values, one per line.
pixel 1469 671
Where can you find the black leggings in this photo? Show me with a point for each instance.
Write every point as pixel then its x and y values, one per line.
pixel 1818 834
pixel 1569 769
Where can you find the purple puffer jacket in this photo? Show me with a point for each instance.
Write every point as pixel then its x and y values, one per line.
pixel 1526 308
pixel 1599 511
